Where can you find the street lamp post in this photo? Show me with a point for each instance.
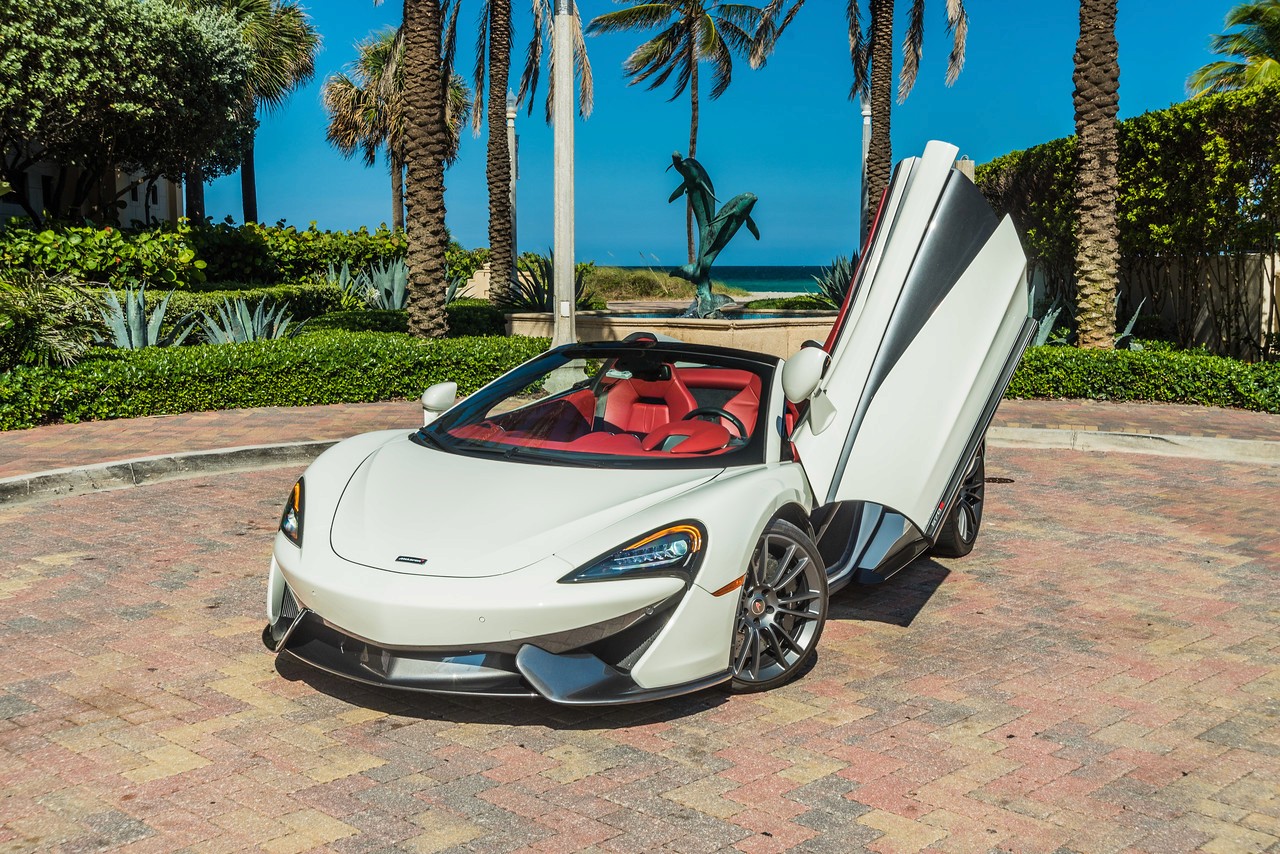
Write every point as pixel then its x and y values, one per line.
pixel 866 153
pixel 513 147
pixel 564 330
pixel 563 310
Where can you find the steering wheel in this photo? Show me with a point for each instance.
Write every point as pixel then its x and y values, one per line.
pixel 703 411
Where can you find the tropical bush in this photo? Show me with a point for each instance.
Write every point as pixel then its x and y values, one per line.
pixel 800 302
pixel 162 257
pixel 467 318
pixel 1199 189
pixel 129 327
pixel 336 367
pixel 621 283
pixel 270 254
pixel 236 323
pixel 534 288
pixel 834 281
pixel 44 320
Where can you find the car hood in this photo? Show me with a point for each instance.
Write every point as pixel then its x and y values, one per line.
pixel 470 517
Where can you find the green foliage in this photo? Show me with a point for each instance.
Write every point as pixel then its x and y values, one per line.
pixel 269 254
pixel 305 301
pixel 310 369
pixel 803 302
pixel 236 323
pixel 44 320
pixel 834 281
pixel 350 286
pixel 1197 180
pixel 534 288
pixel 161 257
pixel 467 318
pixel 386 285
pixel 619 283
pixel 1185 376
pixel 129 327
pixel 136 84
pixel 464 263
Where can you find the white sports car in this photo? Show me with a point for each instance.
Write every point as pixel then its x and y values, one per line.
pixel 671 516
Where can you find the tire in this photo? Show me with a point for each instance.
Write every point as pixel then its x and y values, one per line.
pixel 960 531
pixel 782 609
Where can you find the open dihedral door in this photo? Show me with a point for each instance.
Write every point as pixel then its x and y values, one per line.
pixel 921 353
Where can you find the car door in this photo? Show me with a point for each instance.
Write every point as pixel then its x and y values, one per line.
pixel 920 355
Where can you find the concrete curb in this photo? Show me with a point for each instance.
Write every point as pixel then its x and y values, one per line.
pixel 1193 447
pixel 60 483
pixel 122 474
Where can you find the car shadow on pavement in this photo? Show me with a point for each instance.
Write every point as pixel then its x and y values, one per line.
pixel 896 601
pixel 520 711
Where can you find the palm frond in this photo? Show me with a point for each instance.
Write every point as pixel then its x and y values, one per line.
pixel 912 49
pixel 958 29
pixel 859 49
pixel 479 74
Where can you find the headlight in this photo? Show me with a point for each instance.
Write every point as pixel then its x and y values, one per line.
pixel 291 520
pixel 674 550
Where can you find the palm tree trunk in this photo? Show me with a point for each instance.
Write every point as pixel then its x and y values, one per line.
pixel 427 144
pixel 880 157
pixel 397 194
pixel 498 167
pixel 1097 98
pixel 693 129
pixel 194 187
pixel 249 184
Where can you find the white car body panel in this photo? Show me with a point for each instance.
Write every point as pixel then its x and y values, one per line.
pixel 896 413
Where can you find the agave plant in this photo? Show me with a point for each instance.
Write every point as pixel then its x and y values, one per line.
pixel 456 289
pixel 1125 340
pixel 386 284
pixel 834 281
pixel 236 323
pixel 533 289
pixel 44 320
pixel 1045 332
pixel 353 288
pixel 128 325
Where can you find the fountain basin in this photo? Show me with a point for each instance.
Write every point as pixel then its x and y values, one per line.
pixel 778 333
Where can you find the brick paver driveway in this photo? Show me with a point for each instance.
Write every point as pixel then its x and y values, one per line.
pixel 1100 675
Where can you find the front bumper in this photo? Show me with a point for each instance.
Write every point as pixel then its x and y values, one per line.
pixel 586 666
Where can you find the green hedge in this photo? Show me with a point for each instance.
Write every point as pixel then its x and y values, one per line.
pixel 310 369
pixel 1180 376
pixel 467 319
pixel 185 255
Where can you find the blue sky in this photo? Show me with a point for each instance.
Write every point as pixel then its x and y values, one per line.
pixel 788 132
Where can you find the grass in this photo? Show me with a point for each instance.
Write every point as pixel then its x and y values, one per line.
pixel 804 302
pixel 616 284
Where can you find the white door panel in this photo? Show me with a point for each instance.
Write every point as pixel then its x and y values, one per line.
pixel 937 312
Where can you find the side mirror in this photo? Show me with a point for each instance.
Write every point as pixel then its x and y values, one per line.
pixel 802 373
pixel 436 400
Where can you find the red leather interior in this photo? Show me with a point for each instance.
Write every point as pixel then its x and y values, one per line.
pixel 638 406
pixel 745 404
pixel 699 437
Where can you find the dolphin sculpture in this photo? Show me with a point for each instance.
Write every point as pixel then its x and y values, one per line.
pixel 714 231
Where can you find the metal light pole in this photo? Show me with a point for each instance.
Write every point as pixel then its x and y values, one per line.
pixel 513 144
pixel 866 153
pixel 565 331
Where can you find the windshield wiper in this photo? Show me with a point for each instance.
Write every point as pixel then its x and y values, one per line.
pixel 428 440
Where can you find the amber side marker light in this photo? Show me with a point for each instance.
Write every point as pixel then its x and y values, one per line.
pixel 731 586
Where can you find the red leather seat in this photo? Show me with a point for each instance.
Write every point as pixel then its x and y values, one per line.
pixel 746 405
pixel 638 406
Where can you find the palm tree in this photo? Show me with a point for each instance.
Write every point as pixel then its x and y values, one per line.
pixel 282 47
pixel 872 58
pixel 492 73
pixel 1256 43
pixel 691 31
pixel 1097 98
pixel 366 111
pixel 428 54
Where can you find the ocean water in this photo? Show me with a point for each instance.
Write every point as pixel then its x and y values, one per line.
pixel 792 279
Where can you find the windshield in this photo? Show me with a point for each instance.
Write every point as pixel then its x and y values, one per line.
pixel 636 406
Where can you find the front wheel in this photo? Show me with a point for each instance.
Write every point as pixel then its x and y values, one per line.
pixel 960 531
pixel 781 611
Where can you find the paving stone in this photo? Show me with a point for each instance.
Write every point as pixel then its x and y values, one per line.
pixel 1099 675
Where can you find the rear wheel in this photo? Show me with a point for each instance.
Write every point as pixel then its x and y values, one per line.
pixel 781 611
pixel 960 531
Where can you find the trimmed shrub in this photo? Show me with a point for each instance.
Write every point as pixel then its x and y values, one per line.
pixel 162 257
pixel 360 320
pixel 803 302
pixel 1185 376
pixel 467 319
pixel 311 369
